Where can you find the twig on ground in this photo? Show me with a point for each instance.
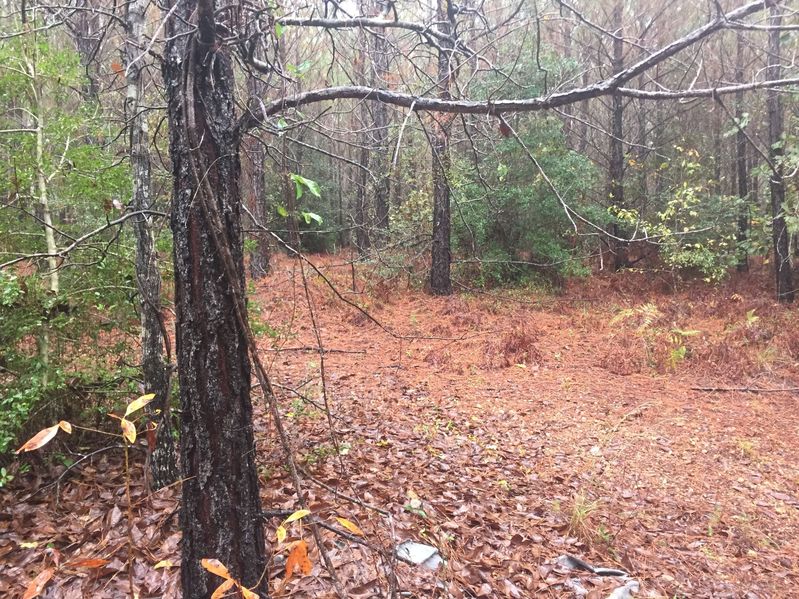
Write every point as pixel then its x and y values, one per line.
pixel 631 414
pixel 342 533
pixel 744 390
pixel 316 349
pixel 338 493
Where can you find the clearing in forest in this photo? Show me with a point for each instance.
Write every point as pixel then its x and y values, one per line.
pixel 619 421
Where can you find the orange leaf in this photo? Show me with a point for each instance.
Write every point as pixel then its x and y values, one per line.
pixel 44 436
pixel 214 566
pixel 298 558
pixel 223 588
pixel 88 563
pixel 116 67
pixel 37 585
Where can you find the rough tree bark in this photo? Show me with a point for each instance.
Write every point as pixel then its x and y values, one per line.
pixel 220 508
pixel 782 259
pixel 641 152
pixel 255 158
pixel 45 212
pixel 440 281
pixel 568 111
pixel 379 52
pixel 616 165
pixel 585 115
pixel 156 371
pixel 742 174
pixel 363 240
pixel 87 31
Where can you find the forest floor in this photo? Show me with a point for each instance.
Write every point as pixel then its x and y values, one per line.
pixel 619 421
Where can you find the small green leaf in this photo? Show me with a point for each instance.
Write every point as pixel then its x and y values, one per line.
pixel 311 216
pixel 301 183
pixel 281 210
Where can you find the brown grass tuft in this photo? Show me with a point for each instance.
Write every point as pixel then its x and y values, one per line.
pixel 514 347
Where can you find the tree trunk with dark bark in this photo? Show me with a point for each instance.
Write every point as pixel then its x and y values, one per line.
pixel 156 370
pixel 220 507
pixel 379 51
pixel 88 33
pixel 616 166
pixel 254 196
pixel 642 152
pixel 742 174
pixel 782 259
pixel 363 239
pixel 440 280
pixel 585 115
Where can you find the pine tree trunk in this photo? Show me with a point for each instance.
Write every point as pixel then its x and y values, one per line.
pixel 156 372
pixel 616 166
pixel 362 239
pixel 782 259
pixel 742 174
pixel 440 281
pixel 254 161
pixel 379 52
pixel 220 507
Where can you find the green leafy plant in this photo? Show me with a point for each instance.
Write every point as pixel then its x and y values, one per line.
pixel 5 477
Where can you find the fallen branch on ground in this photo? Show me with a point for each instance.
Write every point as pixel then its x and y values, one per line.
pixel 744 390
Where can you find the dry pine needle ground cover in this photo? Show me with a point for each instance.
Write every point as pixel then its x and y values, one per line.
pixel 504 428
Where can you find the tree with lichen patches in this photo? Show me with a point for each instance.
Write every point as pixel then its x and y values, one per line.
pixel 220 506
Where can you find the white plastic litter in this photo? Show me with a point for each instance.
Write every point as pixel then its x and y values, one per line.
pixel 627 591
pixel 419 554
